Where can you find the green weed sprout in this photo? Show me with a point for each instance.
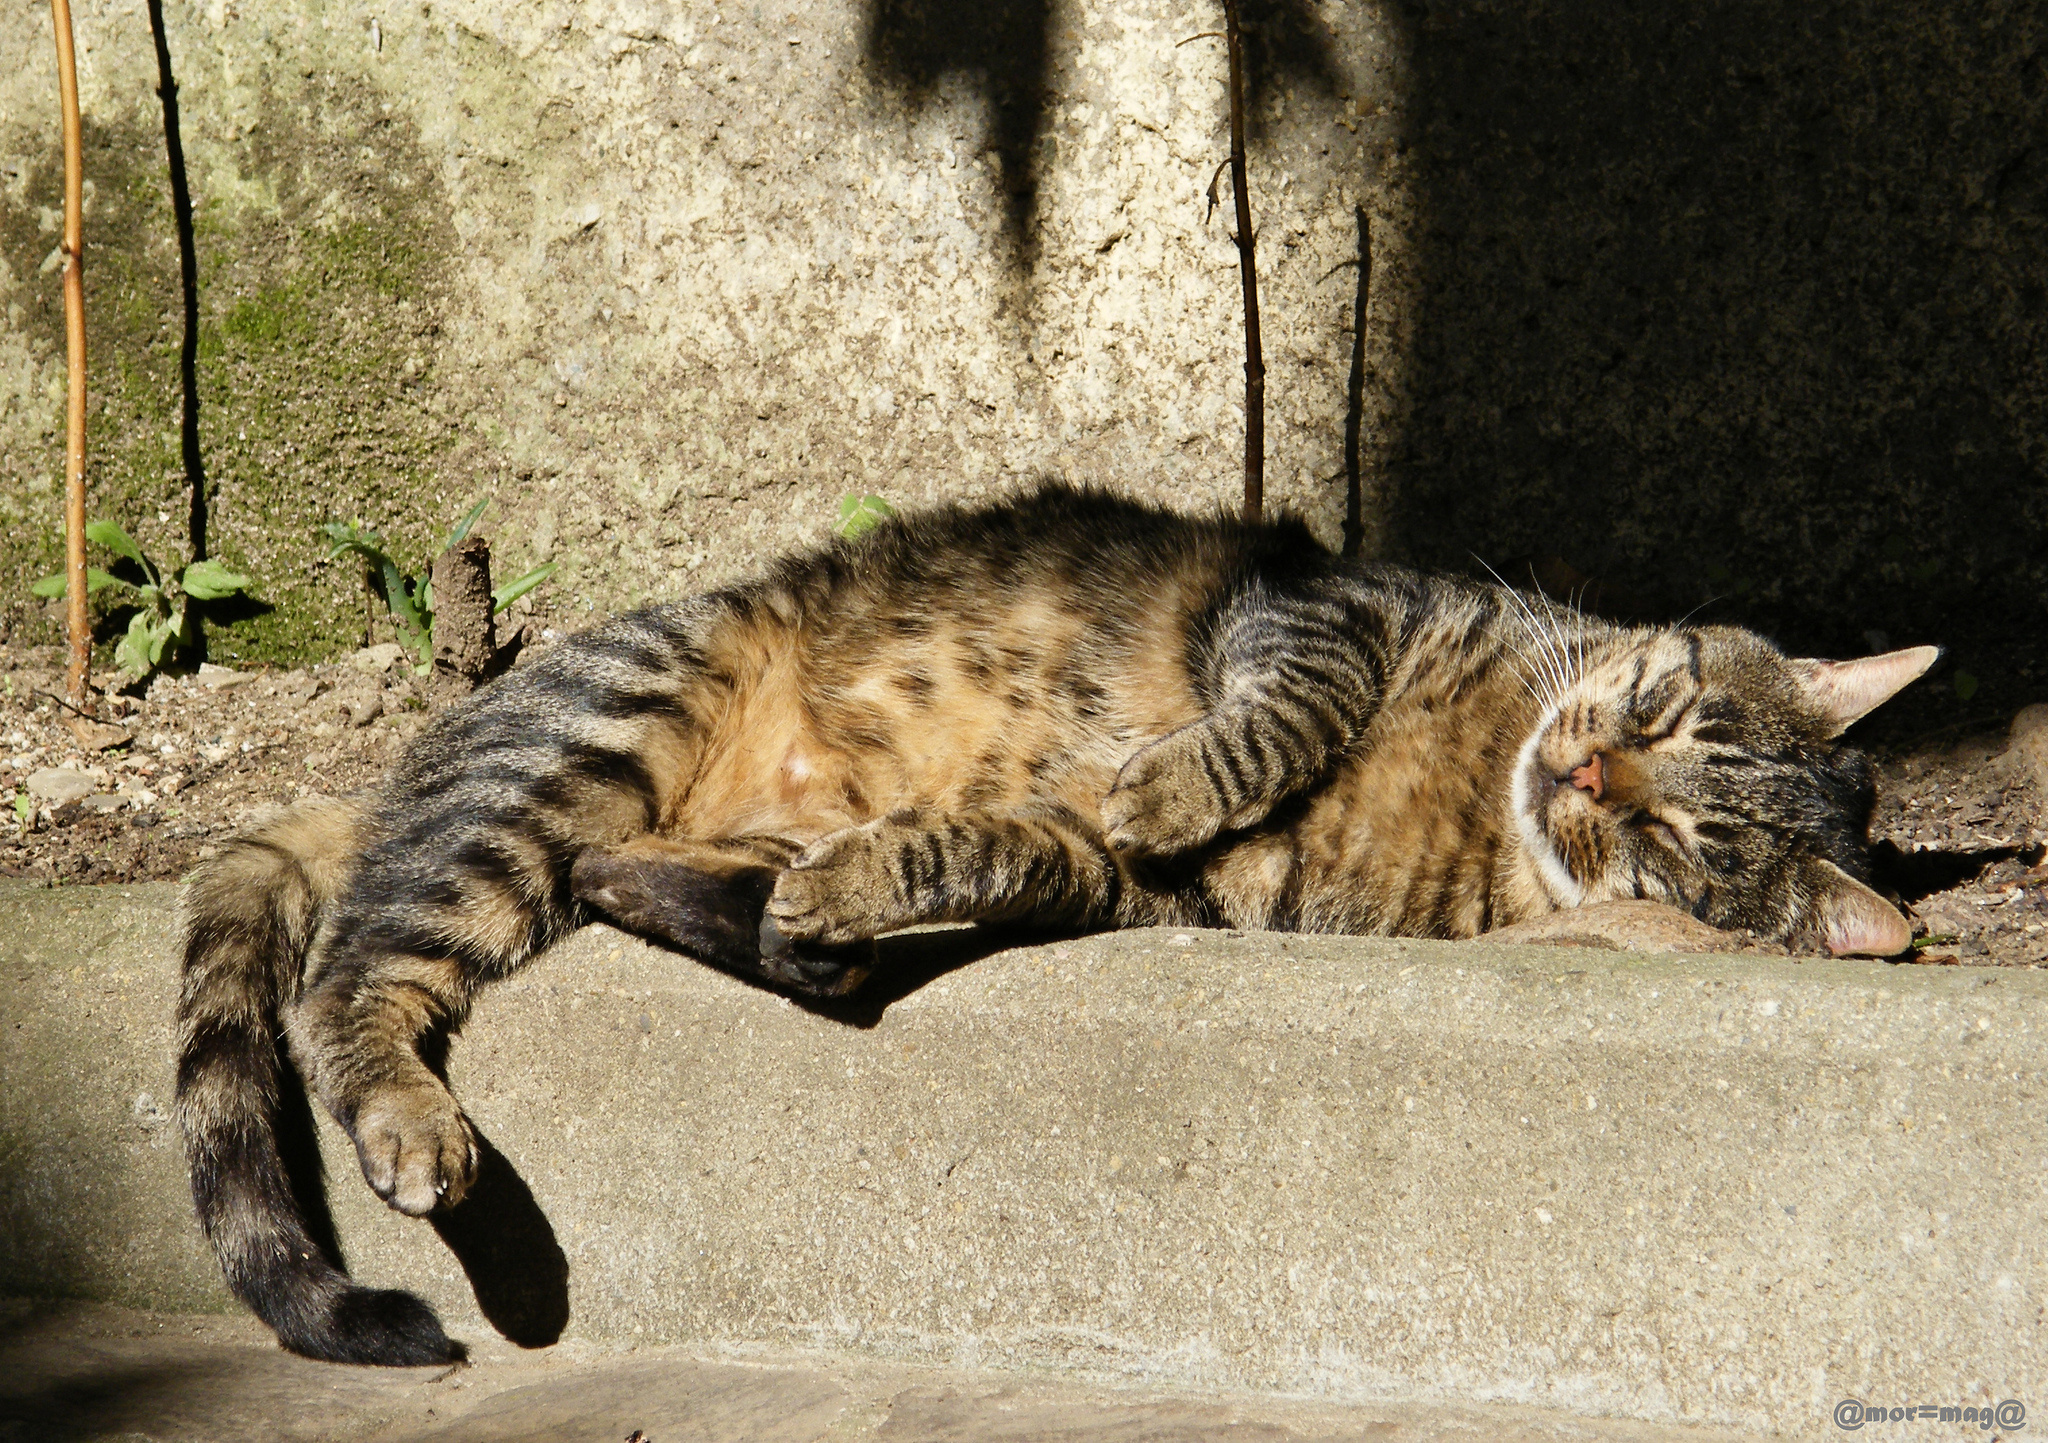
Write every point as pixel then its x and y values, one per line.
pixel 165 610
pixel 858 515
pixel 411 598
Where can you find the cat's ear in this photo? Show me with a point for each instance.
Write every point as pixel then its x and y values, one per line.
pixel 1850 918
pixel 1847 690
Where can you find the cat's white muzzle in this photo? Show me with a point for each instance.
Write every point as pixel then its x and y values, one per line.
pixel 1530 794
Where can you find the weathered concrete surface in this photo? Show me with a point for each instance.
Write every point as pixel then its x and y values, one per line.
pixel 1721 1191
pixel 1709 299
pixel 83 1371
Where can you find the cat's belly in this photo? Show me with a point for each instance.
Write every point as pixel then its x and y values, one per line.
pixel 786 777
pixel 811 790
pixel 811 743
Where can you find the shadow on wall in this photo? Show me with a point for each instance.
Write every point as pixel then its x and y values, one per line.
pixel 1003 47
pixel 1745 300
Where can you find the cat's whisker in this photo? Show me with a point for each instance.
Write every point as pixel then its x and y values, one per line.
pixel 1574 666
pixel 1555 667
pixel 1582 633
pixel 1549 639
pixel 1575 621
pixel 1565 644
pixel 1538 665
pixel 1552 637
pixel 1528 683
pixel 1717 596
pixel 1536 671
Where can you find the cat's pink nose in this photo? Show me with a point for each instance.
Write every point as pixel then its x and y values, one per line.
pixel 1591 777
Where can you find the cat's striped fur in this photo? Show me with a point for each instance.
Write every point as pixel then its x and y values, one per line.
pixel 1066 710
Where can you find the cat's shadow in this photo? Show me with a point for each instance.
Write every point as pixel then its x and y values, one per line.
pixel 508 1250
pixel 1916 875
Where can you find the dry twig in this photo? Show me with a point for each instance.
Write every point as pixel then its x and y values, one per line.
pixel 1254 360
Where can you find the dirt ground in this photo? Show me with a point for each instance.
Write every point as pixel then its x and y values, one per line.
pixel 158 781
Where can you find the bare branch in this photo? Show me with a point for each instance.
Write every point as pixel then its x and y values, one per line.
pixel 1254 360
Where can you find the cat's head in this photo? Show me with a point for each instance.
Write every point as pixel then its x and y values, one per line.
pixel 1698 766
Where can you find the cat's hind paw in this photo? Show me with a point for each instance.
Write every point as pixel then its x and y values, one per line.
pixel 417 1150
pixel 811 967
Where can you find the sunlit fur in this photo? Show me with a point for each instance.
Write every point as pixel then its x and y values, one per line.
pixel 1065 710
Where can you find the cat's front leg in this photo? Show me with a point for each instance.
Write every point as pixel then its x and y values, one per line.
pixel 1220 774
pixel 1044 866
pixel 1294 667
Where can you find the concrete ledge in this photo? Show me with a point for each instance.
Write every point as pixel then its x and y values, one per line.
pixel 1727 1191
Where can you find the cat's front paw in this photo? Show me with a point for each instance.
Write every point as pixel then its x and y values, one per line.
pixel 417 1149
pixel 838 890
pixel 1163 802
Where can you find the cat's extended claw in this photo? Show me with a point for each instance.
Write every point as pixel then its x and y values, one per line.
pixel 416 1148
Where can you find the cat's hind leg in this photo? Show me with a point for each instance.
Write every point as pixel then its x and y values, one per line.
pixel 706 899
pixel 1043 865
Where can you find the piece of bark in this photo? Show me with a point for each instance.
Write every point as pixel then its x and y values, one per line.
pixel 1633 926
pixel 465 634
pixel 96 736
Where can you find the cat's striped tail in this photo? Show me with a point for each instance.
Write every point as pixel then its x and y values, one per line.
pixel 249 918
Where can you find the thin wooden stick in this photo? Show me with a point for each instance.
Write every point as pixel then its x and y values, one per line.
pixel 1254 359
pixel 1354 401
pixel 78 626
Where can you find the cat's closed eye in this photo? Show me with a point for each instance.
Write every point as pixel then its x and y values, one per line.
pixel 1662 831
pixel 1663 723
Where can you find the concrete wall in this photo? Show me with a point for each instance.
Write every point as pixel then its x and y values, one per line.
pixel 1736 299
pixel 668 280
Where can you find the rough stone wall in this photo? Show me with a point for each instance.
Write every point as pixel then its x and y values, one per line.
pixel 1744 300
pixel 666 280
pixel 1735 299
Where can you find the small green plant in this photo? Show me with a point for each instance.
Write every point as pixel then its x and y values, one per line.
pixel 165 614
pixel 858 515
pixel 411 598
pixel 1965 684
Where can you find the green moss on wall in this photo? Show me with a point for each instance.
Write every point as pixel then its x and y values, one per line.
pixel 320 318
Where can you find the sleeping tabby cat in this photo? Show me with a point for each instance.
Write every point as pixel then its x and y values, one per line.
pixel 1066 710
